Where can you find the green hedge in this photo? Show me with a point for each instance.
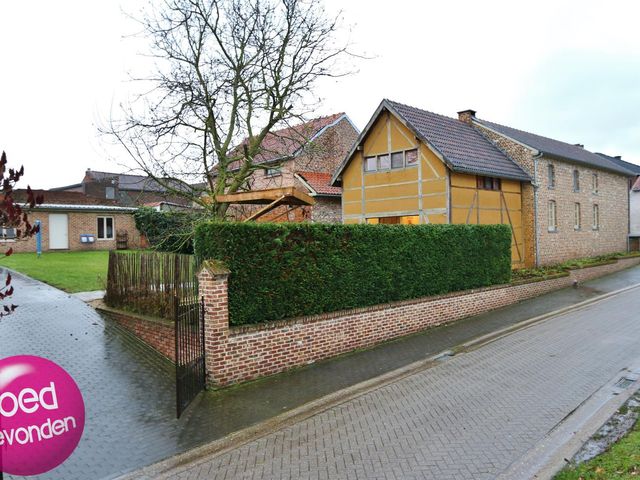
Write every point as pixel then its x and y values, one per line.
pixel 286 270
pixel 167 231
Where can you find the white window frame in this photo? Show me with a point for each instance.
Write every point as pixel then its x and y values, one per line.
pixel 553 216
pixel 104 227
pixel 3 234
pixel 391 167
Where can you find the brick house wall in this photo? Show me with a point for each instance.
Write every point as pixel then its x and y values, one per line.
pixel 238 354
pixel 78 223
pixel 567 242
pixel 324 154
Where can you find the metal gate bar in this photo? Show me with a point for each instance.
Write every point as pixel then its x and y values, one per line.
pixel 190 364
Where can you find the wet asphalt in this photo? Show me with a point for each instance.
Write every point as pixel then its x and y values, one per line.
pixel 129 389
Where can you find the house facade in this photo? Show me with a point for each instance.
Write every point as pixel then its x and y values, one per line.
pixel 72 221
pixel 124 189
pixel 577 205
pixel 413 166
pixel 410 166
pixel 303 156
pixel 634 199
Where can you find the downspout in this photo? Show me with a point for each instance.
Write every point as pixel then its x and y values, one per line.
pixel 535 205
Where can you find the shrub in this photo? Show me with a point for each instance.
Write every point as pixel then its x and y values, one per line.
pixel 167 231
pixel 287 270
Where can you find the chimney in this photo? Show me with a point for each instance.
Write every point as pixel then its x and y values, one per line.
pixel 466 116
pixel 579 145
pixel 618 157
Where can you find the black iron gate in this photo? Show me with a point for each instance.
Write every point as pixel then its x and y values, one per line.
pixel 190 365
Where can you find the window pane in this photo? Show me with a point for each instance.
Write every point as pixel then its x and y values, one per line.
pixel 577 220
pixel 109 221
pixel 397 160
pixel 370 164
pixel 552 176
pixel 10 233
pixel 110 193
pixel 385 162
pixel 594 181
pixel 100 227
pixel 576 180
pixel 390 220
pixel 412 157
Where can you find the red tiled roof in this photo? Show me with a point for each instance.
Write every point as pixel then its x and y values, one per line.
pixel 63 198
pixel 320 183
pixel 287 141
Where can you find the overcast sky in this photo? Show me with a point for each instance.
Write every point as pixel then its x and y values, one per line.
pixel 565 69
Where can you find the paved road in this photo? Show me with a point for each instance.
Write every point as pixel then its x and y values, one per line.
pixel 470 417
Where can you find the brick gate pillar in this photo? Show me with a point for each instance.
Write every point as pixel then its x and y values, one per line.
pixel 212 284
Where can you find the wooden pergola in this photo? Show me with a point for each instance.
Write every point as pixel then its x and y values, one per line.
pixel 271 198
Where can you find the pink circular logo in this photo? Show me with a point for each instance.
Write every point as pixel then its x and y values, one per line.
pixel 41 415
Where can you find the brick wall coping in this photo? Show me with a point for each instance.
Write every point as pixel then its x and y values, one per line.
pixel 102 307
pixel 214 267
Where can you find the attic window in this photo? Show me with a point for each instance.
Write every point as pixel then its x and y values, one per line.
pixel 272 172
pixel 488 183
pixel 110 193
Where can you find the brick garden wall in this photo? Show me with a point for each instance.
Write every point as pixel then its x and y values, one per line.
pixel 238 354
pixel 157 333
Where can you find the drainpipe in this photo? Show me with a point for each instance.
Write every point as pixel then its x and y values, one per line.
pixel 535 205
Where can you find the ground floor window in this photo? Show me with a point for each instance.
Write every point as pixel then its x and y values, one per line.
pixel 7 234
pixel 577 221
pixel 105 228
pixel 596 217
pixel 402 220
pixel 553 216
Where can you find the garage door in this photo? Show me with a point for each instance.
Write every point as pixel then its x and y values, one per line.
pixel 58 231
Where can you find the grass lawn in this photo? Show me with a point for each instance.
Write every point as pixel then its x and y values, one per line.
pixel 621 461
pixel 69 271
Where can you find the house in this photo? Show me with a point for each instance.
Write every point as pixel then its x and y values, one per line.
pixel 413 166
pixel 303 156
pixel 634 199
pixel 410 166
pixel 578 202
pixel 73 221
pixel 126 190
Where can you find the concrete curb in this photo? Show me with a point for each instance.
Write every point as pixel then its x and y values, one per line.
pixel 172 465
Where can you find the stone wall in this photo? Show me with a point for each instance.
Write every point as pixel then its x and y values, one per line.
pixel 79 223
pixel 567 242
pixel 238 354
pixel 327 210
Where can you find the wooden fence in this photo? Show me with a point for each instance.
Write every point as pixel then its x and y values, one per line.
pixel 150 283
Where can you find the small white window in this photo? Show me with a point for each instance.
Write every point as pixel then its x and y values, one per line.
pixel 7 234
pixel 577 223
pixel 272 172
pixel 397 160
pixel 105 228
pixel 370 164
pixel 411 157
pixel 384 162
pixel 553 222
pixel 596 217
pixel 110 193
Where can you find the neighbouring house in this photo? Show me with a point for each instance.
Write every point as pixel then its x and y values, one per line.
pixel 410 166
pixel 126 190
pixel 73 221
pixel 303 156
pixel 413 166
pixel 577 205
pixel 634 199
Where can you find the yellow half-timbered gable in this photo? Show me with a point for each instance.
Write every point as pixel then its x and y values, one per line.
pixel 395 176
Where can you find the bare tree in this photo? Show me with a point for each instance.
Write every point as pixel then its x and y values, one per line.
pixel 13 215
pixel 228 73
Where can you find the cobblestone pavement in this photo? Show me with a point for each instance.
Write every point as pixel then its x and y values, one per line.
pixel 468 418
pixel 129 391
